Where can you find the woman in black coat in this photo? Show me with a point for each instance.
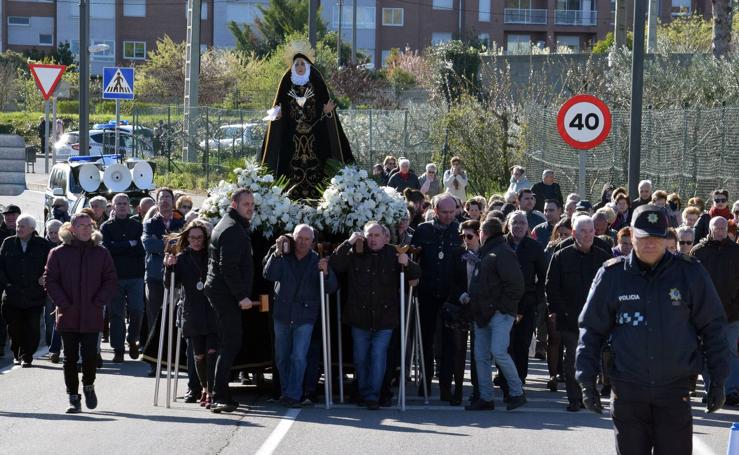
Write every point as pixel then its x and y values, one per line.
pixel 189 262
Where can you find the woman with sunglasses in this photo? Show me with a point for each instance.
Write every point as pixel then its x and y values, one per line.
pixel 721 205
pixel 189 262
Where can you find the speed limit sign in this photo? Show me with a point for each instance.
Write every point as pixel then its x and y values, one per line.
pixel 584 121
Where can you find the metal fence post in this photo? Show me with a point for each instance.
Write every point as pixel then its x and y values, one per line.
pixel 370 133
pixel 168 138
pixel 685 146
pixel 723 146
pixel 206 154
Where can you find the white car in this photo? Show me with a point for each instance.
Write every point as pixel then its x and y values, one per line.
pixel 233 136
pixel 102 142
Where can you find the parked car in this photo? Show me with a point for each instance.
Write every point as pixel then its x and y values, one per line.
pixel 102 142
pixel 234 136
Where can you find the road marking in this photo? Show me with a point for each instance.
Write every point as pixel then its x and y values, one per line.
pixel 40 353
pixel 278 433
pixel 700 447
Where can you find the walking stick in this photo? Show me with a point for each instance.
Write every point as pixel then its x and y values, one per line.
pixel 170 317
pixel 401 389
pixel 324 330
pixel 165 303
pixel 177 363
pixel 341 346
pixel 420 353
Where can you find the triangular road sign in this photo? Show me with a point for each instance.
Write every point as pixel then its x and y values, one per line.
pixel 118 84
pixel 47 77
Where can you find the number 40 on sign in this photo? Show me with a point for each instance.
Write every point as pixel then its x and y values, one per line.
pixel 584 122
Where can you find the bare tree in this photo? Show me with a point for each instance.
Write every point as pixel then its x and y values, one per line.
pixel 721 27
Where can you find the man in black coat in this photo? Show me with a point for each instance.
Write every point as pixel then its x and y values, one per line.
pixel 547 189
pixel 440 243
pixel 7 229
pixel 122 238
pixel 22 262
pixel 228 288
pixel 720 256
pixel 570 274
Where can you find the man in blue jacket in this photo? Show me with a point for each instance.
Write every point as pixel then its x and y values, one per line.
pixel 663 317
pixel 296 307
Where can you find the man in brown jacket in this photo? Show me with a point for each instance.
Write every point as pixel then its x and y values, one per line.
pixel 81 279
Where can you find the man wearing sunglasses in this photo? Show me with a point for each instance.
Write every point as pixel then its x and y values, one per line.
pixel 720 256
pixel 721 205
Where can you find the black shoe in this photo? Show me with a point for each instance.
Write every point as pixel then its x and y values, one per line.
pixel 386 402
pixel 540 355
pixel 372 405
pixel 516 402
pixel 480 405
pixel 16 361
pixel 496 380
pixel 91 400
pixel 445 393
pixel 192 396
pixel 99 363
pixel 133 351
pixel 456 398
pixel 118 357
pixel 290 403
pixel 474 397
pixel 26 364
pixel 54 357
pixel 75 404
pixel 223 407
pixel 605 391
pixel 573 407
pixel 732 399
pixel 552 385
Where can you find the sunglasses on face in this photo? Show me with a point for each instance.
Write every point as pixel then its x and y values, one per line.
pixel 685 242
pixel 467 236
pixel 719 200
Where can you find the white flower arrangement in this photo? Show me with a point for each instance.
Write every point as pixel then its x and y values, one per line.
pixel 347 204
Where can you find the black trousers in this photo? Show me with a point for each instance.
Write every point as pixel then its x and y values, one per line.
pixel 569 341
pixel 75 342
pixel 428 309
pixel 453 358
pixel 521 334
pixel 228 314
pixel 649 419
pixel 24 328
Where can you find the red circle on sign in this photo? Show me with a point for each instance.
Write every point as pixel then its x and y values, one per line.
pixel 606 121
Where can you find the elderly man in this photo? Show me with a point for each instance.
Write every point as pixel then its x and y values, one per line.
pixel 546 189
pixel 720 256
pixel 122 238
pixel 373 306
pixel 645 195
pixel 144 205
pixel 98 205
pixel 685 239
pixel 404 178
pixel 570 274
pixel 297 305
pixel 440 243
pixel 22 260
pixel 10 215
pixel 229 287
pixel 526 202
pixel 495 290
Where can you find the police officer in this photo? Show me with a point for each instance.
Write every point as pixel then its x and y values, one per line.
pixel 662 316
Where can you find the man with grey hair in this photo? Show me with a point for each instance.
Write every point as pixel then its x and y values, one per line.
pixel 293 266
pixel 22 261
pixel 122 238
pixel 404 178
pixel 547 189
pixel 429 181
pixel 571 272
pixel 645 195
pixel 685 239
pixel 98 204
pixel 720 256
pixel 144 205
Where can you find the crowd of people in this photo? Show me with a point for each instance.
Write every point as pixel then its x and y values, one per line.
pixel 507 272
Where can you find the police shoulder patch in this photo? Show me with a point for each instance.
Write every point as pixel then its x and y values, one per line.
pixel 613 262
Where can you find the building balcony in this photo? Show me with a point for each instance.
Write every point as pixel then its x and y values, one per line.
pixel 576 18
pixel 524 16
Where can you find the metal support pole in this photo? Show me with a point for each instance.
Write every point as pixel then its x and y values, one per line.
pixel 170 334
pixel 53 130
pixel 354 32
pixel 312 22
pixel 340 3
pixel 420 353
pixel 177 363
pixel 341 346
pixel 330 374
pixel 401 389
pixel 46 137
pixel 652 27
pixel 324 328
pixel 165 303
pixel 583 159
pixel 637 87
pixel 84 109
pixel 117 125
pixel 619 29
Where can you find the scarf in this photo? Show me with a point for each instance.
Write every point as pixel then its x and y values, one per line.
pixel 726 213
pixel 296 78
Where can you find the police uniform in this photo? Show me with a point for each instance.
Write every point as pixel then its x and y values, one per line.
pixel 661 322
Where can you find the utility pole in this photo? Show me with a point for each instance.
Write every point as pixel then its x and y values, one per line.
pixel 192 78
pixel 340 3
pixel 84 108
pixel 619 31
pixel 652 27
pixel 637 86
pixel 312 24
pixel 354 32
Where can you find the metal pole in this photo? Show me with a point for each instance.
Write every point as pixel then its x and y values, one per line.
pixel 583 158
pixel 177 363
pixel 401 389
pixel 84 109
pixel 46 137
pixel 421 359
pixel 170 320
pixel 165 302
pixel 326 385
pixel 117 124
pixel 619 29
pixel 312 22
pixel 338 33
pixel 341 346
pixel 330 366
pixel 652 27
pixel 53 129
pixel 637 86
pixel 354 32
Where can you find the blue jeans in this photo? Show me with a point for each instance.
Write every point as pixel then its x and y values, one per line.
pixel 291 354
pixel 491 343
pixel 370 359
pixel 130 293
pixel 56 341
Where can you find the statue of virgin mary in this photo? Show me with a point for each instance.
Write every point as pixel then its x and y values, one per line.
pixel 304 131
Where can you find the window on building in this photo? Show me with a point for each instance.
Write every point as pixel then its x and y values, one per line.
pixel 105 55
pixel 74 47
pixel 483 14
pixel 134 8
pixel 45 39
pixel 19 20
pixel 681 7
pixel 100 9
pixel 365 16
pixel 570 41
pixel 242 13
pixel 484 39
pixel 393 17
pixel 442 4
pixel 518 43
pixel 384 56
pixel 134 50
pixel 440 37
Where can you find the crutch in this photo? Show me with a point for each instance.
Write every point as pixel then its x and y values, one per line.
pixel 177 362
pixel 401 389
pixel 165 306
pixel 324 330
pixel 420 352
pixel 341 347
pixel 170 334
pixel 330 366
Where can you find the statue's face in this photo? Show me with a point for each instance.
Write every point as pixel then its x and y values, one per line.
pixel 300 66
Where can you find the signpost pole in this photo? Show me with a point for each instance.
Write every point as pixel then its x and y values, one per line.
pixel 583 158
pixel 53 129
pixel 46 136
pixel 117 124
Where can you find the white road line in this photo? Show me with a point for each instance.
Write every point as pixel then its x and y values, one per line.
pixel 700 447
pixel 278 433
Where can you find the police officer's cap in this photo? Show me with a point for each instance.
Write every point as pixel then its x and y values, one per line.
pixel 649 221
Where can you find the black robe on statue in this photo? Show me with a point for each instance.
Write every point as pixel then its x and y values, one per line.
pixel 298 144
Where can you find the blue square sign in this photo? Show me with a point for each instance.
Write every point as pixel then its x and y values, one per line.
pixel 117 83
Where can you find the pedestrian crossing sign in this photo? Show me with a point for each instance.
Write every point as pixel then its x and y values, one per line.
pixel 117 83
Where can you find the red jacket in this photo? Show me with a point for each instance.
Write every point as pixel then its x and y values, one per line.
pixel 80 279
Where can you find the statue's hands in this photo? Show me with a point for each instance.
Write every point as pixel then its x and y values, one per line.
pixel 329 107
pixel 279 112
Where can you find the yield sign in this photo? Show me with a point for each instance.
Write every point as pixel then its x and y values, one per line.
pixel 47 77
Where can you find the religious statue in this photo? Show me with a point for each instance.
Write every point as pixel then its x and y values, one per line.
pixel 304 131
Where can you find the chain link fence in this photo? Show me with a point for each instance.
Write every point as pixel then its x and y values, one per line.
pixel 690 151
